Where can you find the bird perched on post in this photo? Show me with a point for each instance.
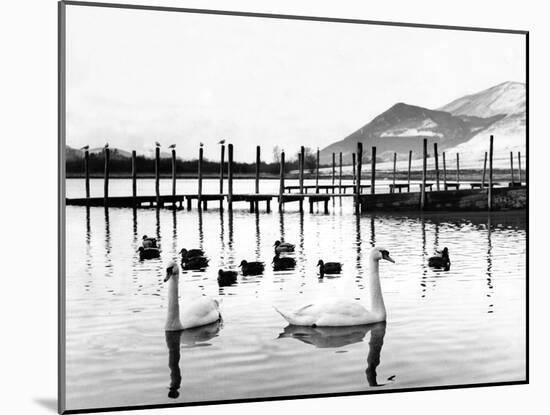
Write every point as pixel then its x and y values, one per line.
pixel 221 141
pixel 157 143
pixel 106 146
pixel 201 144
pixel 172 146
pixel 86 147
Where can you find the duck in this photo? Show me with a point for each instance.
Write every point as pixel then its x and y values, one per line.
pixel 328 268
pixel 226 278
pixel 252 268
pixel 283 247
pixel 440 261
pixel 336 312
pixel 191 253
pixel 195 312
pixel 148 253
pixel 148 242
pixel 195 263
pixel 283 263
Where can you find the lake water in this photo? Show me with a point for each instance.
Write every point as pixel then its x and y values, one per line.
pixel 463 326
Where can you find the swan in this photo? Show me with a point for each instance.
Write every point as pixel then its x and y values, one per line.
pixel 283 247
pixel 328 268
pixel 195 312
pixel 344 312
pixel 441 260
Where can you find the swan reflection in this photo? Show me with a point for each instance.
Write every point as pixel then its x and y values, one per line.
pixel 195 337
pixel 334 337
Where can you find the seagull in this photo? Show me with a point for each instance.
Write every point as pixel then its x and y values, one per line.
pixel 172 146
pixel 106 145
pixel 202 144
pixel 157 143
pixel 86 147
pixel 221 141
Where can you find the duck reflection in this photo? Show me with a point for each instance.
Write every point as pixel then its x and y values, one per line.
pixel 195 337
pixel 334 337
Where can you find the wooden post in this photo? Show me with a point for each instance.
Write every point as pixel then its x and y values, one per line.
pixel 457 170
pixel 519 167
pixel 373 172
pixel 157 175
pixel 281 180
pixel 230 176
pixel 394 170
pixel 409 174
pixel 257 183
pixel 174 175
pixel 436 156
pixel 87 172
pixel 340 176
pixel 512 168
pixel 444 172
pixel 301 164
pixel 353 163
pixel 317 173
pixel 199 175
pixel 222 160
pixel 424 165
pixel 134 177
pixel 358 178
pixel 106 178
pixel 490 190
pixel 484 171
pixel 333 170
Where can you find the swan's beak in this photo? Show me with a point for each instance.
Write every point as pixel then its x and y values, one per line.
pixel 389 258
pixel 168 274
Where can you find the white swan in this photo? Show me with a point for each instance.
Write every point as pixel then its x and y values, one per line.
pixel 344 312
pixel 194 313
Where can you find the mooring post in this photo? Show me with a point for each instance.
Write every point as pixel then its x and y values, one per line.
pixel 424 166
pixel 317 173
pixel 409 173
pixel 174 176
pixel 333 171
pixel 358 178
pixel 230 176
pixel 222 161
pixel 457 171
pixel 281 180
pixel 257 182
pixel 436 156
pixel 490 190
pixel 87 172
pixel 340 175
pixel 373 171
pixel 484 171
pixel 519 167
pixel 512 168
pixel 301 164
pixel 394 171
pixel 199 177
pixel 444 172
pixel 353 163
pixel 134 177
pixel 106 178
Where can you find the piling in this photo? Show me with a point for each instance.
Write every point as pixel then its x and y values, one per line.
pixel 199 175
pixel 333 170
pixel 484 171
pixel 409 173
pixel 174 175
pixel 340 175
pixel 436 157
pixel 490 190
pixel 87 172
pixel 512 168
pixel 257 183
pixel 302 163
pixel 444 172
pixel 134 177
pixel 424 166
pixel 394 171
pixel 353 163
pixel 519 168
pixel 106 178
pixel 317 173
pixel 230 176
pixel 457 170
pixel 222 161
pixel 281 180
pixel 358 178
pixel 373 171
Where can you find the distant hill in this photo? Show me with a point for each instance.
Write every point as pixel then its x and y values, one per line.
pixel 115 153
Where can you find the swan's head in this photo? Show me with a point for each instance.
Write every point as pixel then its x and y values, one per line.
pixel 172 271
pixel 378 253
pixel 320 263
pixel 277 243
pixel 243 263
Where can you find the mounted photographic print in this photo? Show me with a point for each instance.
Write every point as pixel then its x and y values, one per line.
pixel 260 206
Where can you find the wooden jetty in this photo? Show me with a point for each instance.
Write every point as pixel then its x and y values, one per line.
pixel 483 195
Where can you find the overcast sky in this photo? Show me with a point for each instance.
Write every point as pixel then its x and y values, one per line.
pixel 134 77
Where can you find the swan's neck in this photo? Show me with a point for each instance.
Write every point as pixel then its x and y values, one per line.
pixel 173 318
pixel 376 299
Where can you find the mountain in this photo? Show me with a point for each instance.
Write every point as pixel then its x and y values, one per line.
pixel 403 127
